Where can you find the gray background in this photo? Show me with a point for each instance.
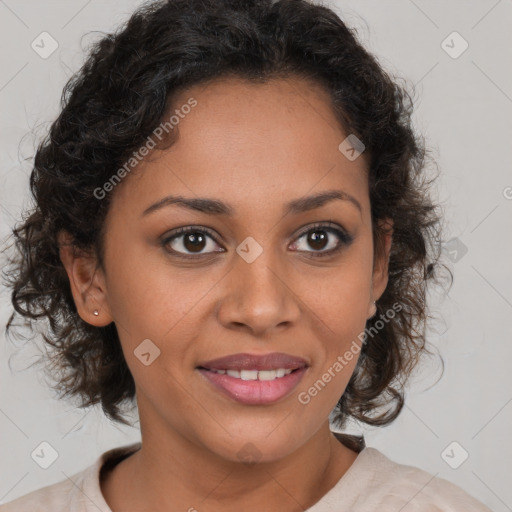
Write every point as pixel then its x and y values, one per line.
pixel 463 107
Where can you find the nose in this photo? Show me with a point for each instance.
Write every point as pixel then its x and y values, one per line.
pixel 259 296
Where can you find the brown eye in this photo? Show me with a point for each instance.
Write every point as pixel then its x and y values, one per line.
pixel 194 241
pixel 322 240
pixel 190 241
pixel 317 239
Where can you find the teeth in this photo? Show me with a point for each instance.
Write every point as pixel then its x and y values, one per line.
pixel 255 374
pixel 249 374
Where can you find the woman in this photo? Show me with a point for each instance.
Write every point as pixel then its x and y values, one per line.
pixel 233 227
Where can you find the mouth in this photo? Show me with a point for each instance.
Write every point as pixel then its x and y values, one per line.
pixel 261 375
pixel 255 379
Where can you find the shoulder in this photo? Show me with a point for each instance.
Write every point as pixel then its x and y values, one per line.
pixel 80 492
pixel 411 489
pixel 58 497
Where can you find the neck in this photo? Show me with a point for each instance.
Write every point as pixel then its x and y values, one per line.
pixel 179 474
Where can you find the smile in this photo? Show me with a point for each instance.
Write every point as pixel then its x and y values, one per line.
pixel 255 374
pixel 254 387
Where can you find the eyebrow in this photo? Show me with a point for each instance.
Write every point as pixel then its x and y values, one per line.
pixel 216 207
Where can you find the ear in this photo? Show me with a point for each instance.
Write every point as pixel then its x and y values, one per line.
pixel 87 282
pixel 381 260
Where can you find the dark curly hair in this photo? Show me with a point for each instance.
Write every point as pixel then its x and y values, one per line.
pixel 118 98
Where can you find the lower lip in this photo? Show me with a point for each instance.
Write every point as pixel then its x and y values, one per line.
pixel 255 392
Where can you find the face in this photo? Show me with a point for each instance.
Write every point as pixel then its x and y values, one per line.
pixel 267 272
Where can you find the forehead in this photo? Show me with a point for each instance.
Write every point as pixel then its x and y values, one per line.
pixel 246 140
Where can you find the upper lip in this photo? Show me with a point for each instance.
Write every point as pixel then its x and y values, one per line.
pixel 272 361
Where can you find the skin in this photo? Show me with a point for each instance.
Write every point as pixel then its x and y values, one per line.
pixel 256 147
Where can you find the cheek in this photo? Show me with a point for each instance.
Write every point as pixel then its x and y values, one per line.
pixel 156 312
pixel 318 396
pixel 339 304
pixel 340 296
pixel 146 295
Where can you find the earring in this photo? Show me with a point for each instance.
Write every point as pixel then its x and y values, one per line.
pixel 375 310
pixel 95 312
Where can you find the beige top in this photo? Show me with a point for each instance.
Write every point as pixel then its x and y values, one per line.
pixel 373 483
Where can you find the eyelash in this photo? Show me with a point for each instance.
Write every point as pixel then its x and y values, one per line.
pixel 345 239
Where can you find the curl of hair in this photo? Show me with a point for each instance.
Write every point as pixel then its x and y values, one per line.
pixel 122 93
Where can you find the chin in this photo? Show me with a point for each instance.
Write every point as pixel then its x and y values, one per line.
pixel 252 448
